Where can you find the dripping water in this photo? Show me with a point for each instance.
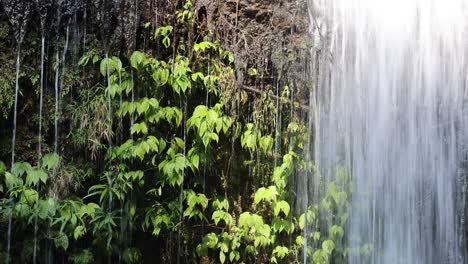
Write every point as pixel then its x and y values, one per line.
pixel 56 89
pixel 15 112
pixel 109 105
pixel 109 101
pixel 85 15
pixel 59 88
pixel 122 220
pixel 132 121
pixel 207 101
pixel 277 125
pixel 183 105
pixel 39 148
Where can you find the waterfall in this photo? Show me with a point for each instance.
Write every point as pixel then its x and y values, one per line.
pixel 391 104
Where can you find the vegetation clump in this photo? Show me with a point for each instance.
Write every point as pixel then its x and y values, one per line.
pixel 162 156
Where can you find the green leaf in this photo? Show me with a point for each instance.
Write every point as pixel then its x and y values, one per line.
pixel 282 206
pixel 268 195
pixel 139 128
pixel 252 72
pixel 34 176
pixel 79 232
pixel 320 257
pixel 336 231
pixel 103 67
pixel 29 196
pixel 232 255
pixel 196 161
pixel 222 257
pixel 50 161
pixel 280 251
pixel 180 143
pixel 83 257
pixel 137 59
pixel 203 46
pixel 96 58
pixel 266 143
pixel 166 42
pixel 61 241
pixel 132 255
pixel 302 221
pixel 328 246
pixel 211 240
pixel 22 210
pixel 221 215
pixel 259 195
pixel 300 240
pixel 221 204
pixel 83 60
pixel 198 75
pixel 20 168
pixel 117 63
pixel 2 168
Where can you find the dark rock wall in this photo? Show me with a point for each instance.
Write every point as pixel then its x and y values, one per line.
pixel 270 36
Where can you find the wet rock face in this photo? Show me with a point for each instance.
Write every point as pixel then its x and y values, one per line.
pixel 43 8
pixel 269 35
pixel 261 33
pixel 126 30
pixel 18 12
pixel 66 9
pixel 104 12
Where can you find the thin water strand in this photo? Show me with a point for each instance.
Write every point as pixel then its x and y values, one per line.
pixel 181 195
pixel 56 89
pixel 109 105
pixel 15 112
pixel 15 109
pixel 39 140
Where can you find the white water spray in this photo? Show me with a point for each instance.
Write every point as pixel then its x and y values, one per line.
pixel 391 108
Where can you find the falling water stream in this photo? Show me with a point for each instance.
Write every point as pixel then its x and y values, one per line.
pixel 39 140
pixel 59 87
pixel 56 89
pixel 15 109
pixel 15 113
pixel 391 109
pixel 110 117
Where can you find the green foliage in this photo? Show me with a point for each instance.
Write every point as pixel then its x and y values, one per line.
pixel 164 33
pixel 209 123
pixel 83 257
pixel 196 204
pixel 168 155
pixel 131 255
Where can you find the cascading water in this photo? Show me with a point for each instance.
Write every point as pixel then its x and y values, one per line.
pixel 391 108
